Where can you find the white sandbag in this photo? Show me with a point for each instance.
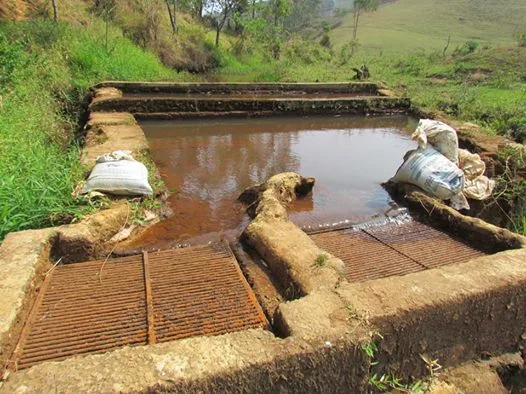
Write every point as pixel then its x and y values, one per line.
pixel 471 164
pixel 441 136
pixel 476 185
pixel 118 173
pixel 479 188
pixel 433 172
pixel 459 201
pixel 115 156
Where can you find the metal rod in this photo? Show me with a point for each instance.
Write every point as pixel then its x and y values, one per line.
pixel 149 299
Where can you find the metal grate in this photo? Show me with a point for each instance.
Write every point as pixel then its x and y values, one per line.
pixel 389 250
pixel 98 306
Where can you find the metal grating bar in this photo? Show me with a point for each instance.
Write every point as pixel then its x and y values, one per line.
pixel 98 306
pixel 216 300
pixel 429 246
pixel 389 250
pixel 149 299
pixel 365 258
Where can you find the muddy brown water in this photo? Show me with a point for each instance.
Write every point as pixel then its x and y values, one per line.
pixel 208 163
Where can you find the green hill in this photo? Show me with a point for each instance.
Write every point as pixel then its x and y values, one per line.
pixel 408 25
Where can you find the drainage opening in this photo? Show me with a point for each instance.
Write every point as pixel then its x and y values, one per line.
pixel 98 306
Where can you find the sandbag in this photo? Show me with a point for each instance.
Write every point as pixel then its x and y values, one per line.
pixel 479 188
pixel 441 136
pixel 471 164
pixel 476 185
pixel 433 172
pixel 118 173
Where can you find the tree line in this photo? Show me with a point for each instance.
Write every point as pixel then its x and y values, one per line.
pixel 270 22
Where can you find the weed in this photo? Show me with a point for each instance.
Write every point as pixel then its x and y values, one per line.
pixel 388 382
pixel 321 260
pixel 370 348
pixel 432 365
pixel 353 314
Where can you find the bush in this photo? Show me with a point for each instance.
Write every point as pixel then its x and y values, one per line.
pixel 298 50
pixel 346 52
pixel 467 48
pixel 326 41
pixel 341 12
pixel 517 128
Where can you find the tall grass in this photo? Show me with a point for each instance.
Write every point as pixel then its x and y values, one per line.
pixel 45 71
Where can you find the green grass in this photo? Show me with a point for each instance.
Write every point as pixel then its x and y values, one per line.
pixel 45 71
pixel 409 25
pixel 487 86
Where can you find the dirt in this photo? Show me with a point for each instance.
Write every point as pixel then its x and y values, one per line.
pixel 496 375
pixel 204 163
pixel 108 132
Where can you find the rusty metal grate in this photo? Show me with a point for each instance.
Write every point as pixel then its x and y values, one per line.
pixel 98 306
pixel 389 250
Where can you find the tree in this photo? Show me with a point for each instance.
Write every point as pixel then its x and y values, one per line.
pixel 359 7
pixel 196 7
pixel 105 9
pixel 55 10
pixel 222 10
pixel 171 6
pixel 277 11
pixel 302 14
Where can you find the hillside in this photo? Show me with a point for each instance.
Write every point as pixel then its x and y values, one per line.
pixel 408 25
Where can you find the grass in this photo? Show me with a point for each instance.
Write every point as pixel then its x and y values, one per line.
pixel 486 86
pixel 45 71
pixel 321 260
pixel 407 25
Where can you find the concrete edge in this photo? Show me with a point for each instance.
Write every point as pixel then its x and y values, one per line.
pixel 482 234
pixel 454 314
pixel 358 105
pixel 128 87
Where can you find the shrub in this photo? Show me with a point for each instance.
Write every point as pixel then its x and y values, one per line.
pixel 467 48
pixel 521 39
pixel 326 41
